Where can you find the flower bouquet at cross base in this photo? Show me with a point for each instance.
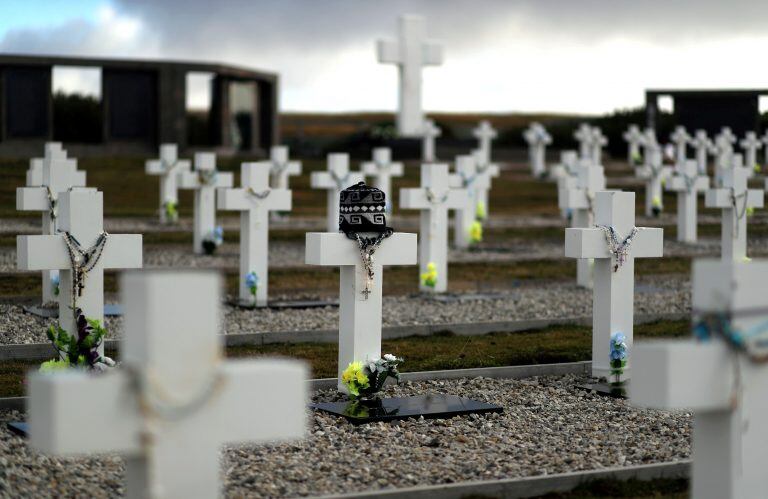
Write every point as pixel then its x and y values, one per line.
pixel 252 283
pixel 480 211
pixel 618 353
pixel 171 209
pixel 429 278
pixel 79 350
pixel 366 379
pixel 656 206
pixel 637 159
pixel 213 240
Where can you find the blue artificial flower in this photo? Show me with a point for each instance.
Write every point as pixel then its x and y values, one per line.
pixel 55 280
pixel 618 346
pixel 218 235
pixel 251 279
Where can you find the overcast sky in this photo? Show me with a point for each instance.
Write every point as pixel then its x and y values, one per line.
pixel 500 55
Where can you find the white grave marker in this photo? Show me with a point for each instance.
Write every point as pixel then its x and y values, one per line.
pixel 485 134
pixel 680 138
pixel 614 270
pixel 735 200
pixel 566 173
pixel 382 169
pixel 537 138
pixel 721 384
pixel 597 142
pixel 583 136
pixel 701 145
pixel 281 168
pixel 655 174
pixel 336 179
pixel 204 180
pixel 410 53
pixel 167 167
pixel 687 182
pixel 359 298
pixel 52 150
pixel 175 401
pixel 428 135
pixel 467 177
pixel 750 143
pixel 764 140
pixel 59 174
pixel 634 138
pixel 493 171
pixel 254 200
pixel 434 198
pixel 81 251
pixel 722 149
pixel 580 199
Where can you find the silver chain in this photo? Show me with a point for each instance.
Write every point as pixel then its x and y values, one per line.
pixel 341 182
pixel 618 249
pixel 53 208
pixel 367 248
pixel 82 261
pixel 207 177
pixel 739 212
pixel 258 195
pixel 433 199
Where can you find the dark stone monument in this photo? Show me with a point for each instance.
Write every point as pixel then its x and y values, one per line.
pixel 27 102
pixel 130 101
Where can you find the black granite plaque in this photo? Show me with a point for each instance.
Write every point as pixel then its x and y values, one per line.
pixel 110 310
pixel 21 429
pixel 431 406
pixel 606 389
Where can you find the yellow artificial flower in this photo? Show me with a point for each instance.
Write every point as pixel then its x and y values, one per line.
pixel 480 212
pixel 476 232
pixel 429 278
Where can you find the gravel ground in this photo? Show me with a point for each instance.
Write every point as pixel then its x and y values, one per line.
pixel 548 426
pixel 656 294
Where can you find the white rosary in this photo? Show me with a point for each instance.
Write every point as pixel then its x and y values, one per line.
pixel 618 249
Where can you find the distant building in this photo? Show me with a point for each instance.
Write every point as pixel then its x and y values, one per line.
pixel 142 104
pixel 709 110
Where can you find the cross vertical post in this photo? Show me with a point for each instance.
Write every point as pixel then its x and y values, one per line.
pixel 701 144
pixel 597 142
pixel 634 137
pixel 750 143
pixel 485 134
pixel 654 173
pixel 537 138
pixel 168 167
pixel 382 169
pixel 687 183
pixel 680 138
pixel 467 177
pixel 429 133
pixel 334 180
pixel 281 167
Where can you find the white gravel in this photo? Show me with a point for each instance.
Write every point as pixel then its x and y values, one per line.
pixel 548 426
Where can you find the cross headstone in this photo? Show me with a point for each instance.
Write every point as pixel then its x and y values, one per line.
pixel 735 200
pixel 493 171
pixel 428 135
pixel 52 150
pixel 566 173
pixel 382 169
pixel 334 180
pixel 467 177
pixel 680 138
pixel 655 174
pixel 281 168
pixel 485 134
pixel 59 174
pixel 204 180
pixel 716 380
pixel 583 136
pixel 634 137
pixel 167 167
pixel 688 183
pixel 359 311
pixel 434 198
pixel 722 149
pixel 579 198
pixel 764 140
pixel 597 142
pixel 410 53
pixel 537 138
pixel 701 145
pixel 614 276
pixel 175 401
pixel 80 223
pixel 649 145
pixel 254 200
pixel 750 143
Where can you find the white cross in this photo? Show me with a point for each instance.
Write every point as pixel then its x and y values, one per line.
pixel 634 137
pixel 81 215
pixel 580 199
pixel 204 180
pixel 750 143
pixel 649 144
pixel 735 199
pixel 467 177
pixel 52 150
pixel 359 314
pixel 613 294
pixel 687 182
pixel 655 173
pixel 493 171
pixel 167 167
pixel 565 173
pixel 583 136
pixel 701 145
pixel 428 135
pixel 597 142
pixel 254 200
pixel 485 133
pixel 722 149
pixel 382 169
pixel 723 388
pixel 680 139
pixel 434 198
pixel 174 401
pixel 764 140
pixel 58 175
pixel 282 167
pixel 537 138
pixel 410 53
pixel 336 179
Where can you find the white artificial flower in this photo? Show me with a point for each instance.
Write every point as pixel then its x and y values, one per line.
pixel 389 357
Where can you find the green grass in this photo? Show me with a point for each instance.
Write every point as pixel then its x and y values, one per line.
pixel 425 353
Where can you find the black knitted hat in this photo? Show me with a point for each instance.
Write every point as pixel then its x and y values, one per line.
pixel 362 209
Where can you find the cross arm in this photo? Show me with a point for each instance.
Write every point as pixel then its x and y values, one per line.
pixel 573 198
pixel 321 180
pixel 241 200
pixel 388 51
pixel 31 199
pixel 432 54
pixel 335 249
pixel 293 168
pixel 681 374
pixel 50 252
pixel 154 167
pixel 63 418
pixel 225 179
pixel 678 184
pixel 591 243
pixel 249 399
pixel 371 168
pixel 721 198
pixel 189 179
pixel 123 251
